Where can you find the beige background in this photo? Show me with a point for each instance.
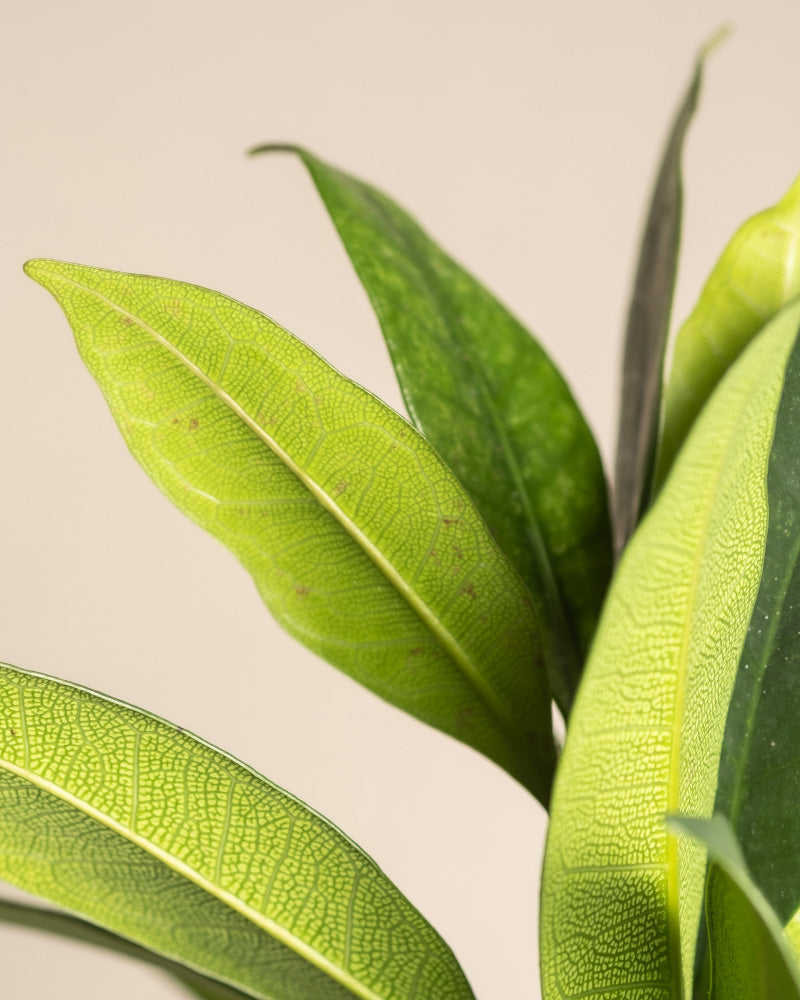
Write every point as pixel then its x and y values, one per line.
pixel 524 135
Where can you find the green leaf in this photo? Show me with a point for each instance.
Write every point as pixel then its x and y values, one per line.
pixel 749 954
pixel 153 834
pixel 620 900
pixel 759 780
pixel 489 399
pixel 72 928
pixel 756 275
pixel 648 325
pixel 359 538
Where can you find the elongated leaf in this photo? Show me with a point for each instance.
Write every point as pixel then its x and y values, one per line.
pixel 621 901
pixel 72 928
pixel 759 779
pixel 750 956
pixel 151 833
pixel 486 395
pixel 757 273
pixel 360 540
pixel 648 327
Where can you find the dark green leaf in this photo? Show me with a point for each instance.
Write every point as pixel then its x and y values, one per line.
pixel 490 400
pixel 648 327
pixel 750 957
pixel 759 783
pixel 360 539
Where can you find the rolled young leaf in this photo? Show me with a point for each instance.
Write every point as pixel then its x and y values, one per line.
pixel 485 394
pixel 359 538
pixel 648 325
pixel 147 831
pixel 621 900
pixel 750 956
pixel 756 275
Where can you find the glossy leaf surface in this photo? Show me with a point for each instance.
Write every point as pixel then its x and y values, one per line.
pixel 486 395
pixel 750 956
pixel 648 327
pixel 359 538
pixel 760 770
pixel 621 900
pixel 756 275
pixel 145 830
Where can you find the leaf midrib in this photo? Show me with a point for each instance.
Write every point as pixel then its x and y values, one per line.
pixel 552 592
pixel 174 863
pixel 429 618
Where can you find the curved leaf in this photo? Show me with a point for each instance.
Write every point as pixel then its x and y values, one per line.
pixel 360 540
pixel 153 834
pixel 74 929
pixel 757 273
pixel 749 953
pixel 759 779
pixel 489 399
pixel 620 900
pixel 648 326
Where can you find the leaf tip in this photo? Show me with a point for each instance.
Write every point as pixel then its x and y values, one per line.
pixel 277 147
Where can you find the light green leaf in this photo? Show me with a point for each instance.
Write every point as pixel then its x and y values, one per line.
pixel 485 394
pixel 72 928
pixel 361 541
pixel 750 957
pixel 759 778
pixel 620 900
pixel 757 273
pixel 153 834
pixel 648 325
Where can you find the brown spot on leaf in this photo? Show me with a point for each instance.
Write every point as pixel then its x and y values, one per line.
pixel 457 552
pixel 464 718
pixel 341 486
pixel 451 520
pixel 175 420
pixel 469 590
pixel 194 423
pixel 126 321
pixel 301 591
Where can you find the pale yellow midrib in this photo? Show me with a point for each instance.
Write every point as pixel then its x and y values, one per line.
pixel 174 863
pixel 430 619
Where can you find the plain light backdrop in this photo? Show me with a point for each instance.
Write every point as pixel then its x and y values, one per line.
pixel 525 136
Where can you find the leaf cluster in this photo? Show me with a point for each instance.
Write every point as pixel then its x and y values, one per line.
pixel 459 565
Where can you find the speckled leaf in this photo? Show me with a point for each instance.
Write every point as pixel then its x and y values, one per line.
pixel 750 957
pixel 153 834
pixel 359 538
pixel 621 900
pixel 71 928
pixel 648 326
pixel 759 784
pixel 486 395
pixel 756 275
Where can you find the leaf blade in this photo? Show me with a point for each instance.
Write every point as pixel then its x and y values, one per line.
pixel 646 734
pixel 749 953
pixel 648 324
pixel 359 538
pixel 520 444
pixel 74 929
pixel 757 273
pixel 156 835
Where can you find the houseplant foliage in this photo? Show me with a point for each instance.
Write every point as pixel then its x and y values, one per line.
pixel 459 566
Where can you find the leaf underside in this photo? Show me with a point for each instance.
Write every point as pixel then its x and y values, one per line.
pixel 359 538
pixel 147 831
pixel 620 900
pixel 485 394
